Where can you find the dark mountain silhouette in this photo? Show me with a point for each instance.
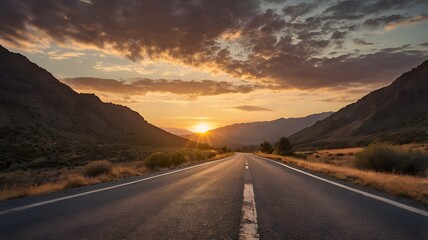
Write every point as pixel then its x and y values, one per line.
pixel 244 134
pixel 35 108
pixel 397 113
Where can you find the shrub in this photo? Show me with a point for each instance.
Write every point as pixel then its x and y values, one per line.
pixel 283 147
pixel 156 160
pixel 224 149
pixel 266 147
pixel 197 155
pixel 211 154
pixel 388 158
pixel 97 168
pixel 74 182
pixel 177 158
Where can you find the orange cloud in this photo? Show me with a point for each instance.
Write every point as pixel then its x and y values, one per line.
pixel 143 86
pixel 407 22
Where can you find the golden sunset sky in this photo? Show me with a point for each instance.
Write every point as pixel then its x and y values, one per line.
pixel 183 64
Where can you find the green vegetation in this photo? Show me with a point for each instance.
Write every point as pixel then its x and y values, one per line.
pixel 97 168
pixel 177 158
pixel 157 160
pixel 48 153
pixel 389 158
pixel 282 147
pixel 266 147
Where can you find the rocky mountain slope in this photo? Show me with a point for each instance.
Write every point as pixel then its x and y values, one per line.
pixel 36 110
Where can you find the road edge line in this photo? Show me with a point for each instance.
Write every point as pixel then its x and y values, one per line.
pixel 16 209
pixel 379 198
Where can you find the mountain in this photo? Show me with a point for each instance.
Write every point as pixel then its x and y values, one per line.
pixel 178 131
pixel 36 109
pixel 397 113
pixel 244 134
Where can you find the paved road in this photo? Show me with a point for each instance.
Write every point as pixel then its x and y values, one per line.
pixel 293 206
pixel 205 203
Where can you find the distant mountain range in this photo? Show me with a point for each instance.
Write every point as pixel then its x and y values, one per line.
pixel 397 113
pixel 178 131
pixel 245 134
pixel 35 109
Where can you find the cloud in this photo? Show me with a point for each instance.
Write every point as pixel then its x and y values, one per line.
pixel 298 10
pixel 359 41
pixel 343 70
pixel 286 49
pixel 383 5
pixel 349 9
pixel 134 68
pixel 338 35
pixel 356 9
pixel 250 108
pixel 64 55
pixel 407 22
pixel 382 21
pixel 143 86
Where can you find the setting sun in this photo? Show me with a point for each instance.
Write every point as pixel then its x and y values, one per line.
pixel 201 128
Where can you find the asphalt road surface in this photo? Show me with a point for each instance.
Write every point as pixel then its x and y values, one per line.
pixel 206 202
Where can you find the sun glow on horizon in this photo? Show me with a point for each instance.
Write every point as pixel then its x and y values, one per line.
pixel 201 128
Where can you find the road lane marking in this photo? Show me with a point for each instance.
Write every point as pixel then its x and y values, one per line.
pixel 249 225
pixel 382 199
pixel 106 188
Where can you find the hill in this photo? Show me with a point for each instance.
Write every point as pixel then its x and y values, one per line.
pixel 397 113
pixel 39 116
pixel 245 134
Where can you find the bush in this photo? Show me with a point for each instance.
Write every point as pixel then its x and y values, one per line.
pixel 266 147
pixel 388 158
pixel 75 182
pixel 198 155
pixel 211 154
pixel 97 168
pixel 156 160
pixel 283 147
pixel 225 149
pixel 195 155
pixel 177 158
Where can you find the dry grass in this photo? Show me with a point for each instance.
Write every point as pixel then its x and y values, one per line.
pixel 401 185
pixel 75 181
pixel 423 147
pixel 341 150
pixel 220 156
pixel 96 168
pixel 21 183
pixel 339 157
pixel 68 179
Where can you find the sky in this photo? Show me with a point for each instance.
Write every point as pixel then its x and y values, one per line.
pixel 199 64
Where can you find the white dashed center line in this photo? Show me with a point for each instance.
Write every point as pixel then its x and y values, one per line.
pixel 249 226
